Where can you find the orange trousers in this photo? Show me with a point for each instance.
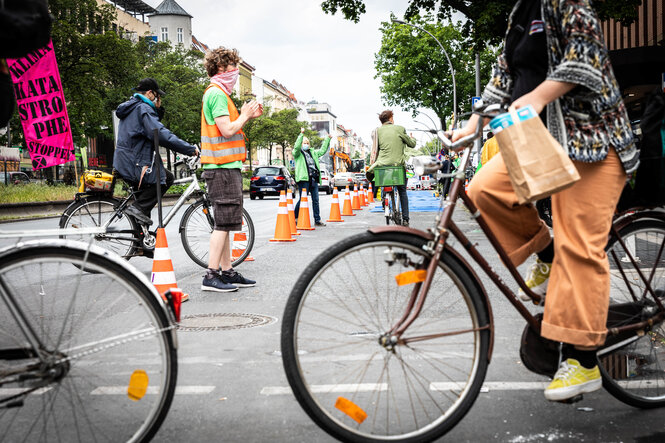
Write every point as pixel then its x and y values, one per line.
pixel 579 287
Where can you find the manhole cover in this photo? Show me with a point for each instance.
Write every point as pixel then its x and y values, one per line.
pixel 221 322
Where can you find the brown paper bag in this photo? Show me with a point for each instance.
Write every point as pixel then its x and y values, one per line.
pixel 537 164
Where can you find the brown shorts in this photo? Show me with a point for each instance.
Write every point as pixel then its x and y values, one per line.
pixel 225 193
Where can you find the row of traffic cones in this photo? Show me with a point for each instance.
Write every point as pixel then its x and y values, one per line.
pixel 286 226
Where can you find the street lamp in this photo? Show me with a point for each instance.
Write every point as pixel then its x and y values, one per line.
pixel 450 64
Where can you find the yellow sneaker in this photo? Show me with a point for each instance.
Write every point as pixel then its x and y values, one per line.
pixel 573 379
pixel 537 279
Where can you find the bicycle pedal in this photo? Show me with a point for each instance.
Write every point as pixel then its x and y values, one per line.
pixel 572 400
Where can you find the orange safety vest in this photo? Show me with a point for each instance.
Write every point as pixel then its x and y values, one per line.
pixel 217 149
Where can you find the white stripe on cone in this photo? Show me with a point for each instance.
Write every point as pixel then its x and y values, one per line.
pixel 163 278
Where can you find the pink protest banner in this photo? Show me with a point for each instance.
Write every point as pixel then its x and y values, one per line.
pixel 42 108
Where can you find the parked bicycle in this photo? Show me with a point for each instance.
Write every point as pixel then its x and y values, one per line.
pixel 83 357
pixel 398 349
pixel 129 238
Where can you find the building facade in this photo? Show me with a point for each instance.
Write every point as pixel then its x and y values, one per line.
pixel 638 54
pixel 171 23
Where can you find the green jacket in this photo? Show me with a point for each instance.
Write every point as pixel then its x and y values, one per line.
pixel 302 175
pixel 392 142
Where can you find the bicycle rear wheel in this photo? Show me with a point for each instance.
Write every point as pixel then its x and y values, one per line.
pixel 104 336
pixel 397 207
pixel 632 364
pixel 354 387
pixel 94 212
pixel 196 227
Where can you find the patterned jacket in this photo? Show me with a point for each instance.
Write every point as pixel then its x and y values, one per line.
pixel 592 117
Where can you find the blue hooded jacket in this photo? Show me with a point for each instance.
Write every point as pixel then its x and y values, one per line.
pixel 133 149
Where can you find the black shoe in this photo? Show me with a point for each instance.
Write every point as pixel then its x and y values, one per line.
pixel 216 284
pixel 319 223
pixel 405 223
pixel 138 215
pixel 235 278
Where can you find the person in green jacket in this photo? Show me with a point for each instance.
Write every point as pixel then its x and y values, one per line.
pixel 391 141
pixel 308 172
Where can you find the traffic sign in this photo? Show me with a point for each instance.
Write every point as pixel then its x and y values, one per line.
pixel 473 102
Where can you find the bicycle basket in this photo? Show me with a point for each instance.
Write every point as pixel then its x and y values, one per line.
pixel 539 354
pixel 389 176
pixel 96 181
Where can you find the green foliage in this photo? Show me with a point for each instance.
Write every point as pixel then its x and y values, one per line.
pixel 99 68
pixel 487 20
pixel 36 192
pixel 416 74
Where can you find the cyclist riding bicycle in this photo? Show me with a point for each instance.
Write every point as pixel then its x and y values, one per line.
pixel 133 159
pixel 391 141
pixel 555 59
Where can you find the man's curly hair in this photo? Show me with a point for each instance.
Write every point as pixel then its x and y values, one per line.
pixel 220 58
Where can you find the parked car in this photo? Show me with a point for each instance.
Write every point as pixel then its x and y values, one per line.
pixel 325 185
pixel 344 179
pixel 361 179
pixel 269 180
pixel 14 178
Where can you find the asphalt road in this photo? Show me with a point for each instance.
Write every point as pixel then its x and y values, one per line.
pixel 229 378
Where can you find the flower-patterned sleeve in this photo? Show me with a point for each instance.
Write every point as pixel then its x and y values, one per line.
pixel 584 52
pixel 500 86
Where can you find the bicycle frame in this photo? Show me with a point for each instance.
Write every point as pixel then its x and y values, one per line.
pixel 438 243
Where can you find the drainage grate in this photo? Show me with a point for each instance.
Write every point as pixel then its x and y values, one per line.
pixel 222 322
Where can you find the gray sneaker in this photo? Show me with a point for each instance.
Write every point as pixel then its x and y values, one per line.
pixel 216 284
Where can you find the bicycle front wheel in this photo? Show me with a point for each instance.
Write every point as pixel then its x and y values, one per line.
pixel 633 364
pixel 358 386
pixel 109 363
pixel 94 212
pixel 197 226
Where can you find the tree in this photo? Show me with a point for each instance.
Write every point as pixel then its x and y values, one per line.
pixel 487 20
pixel 415 73
pixel 180 74
pixel 288 128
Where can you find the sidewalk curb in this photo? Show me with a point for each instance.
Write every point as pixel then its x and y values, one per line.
pixel 52 209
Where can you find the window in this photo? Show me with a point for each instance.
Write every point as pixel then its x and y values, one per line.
pixel 165 34
pixel 180 37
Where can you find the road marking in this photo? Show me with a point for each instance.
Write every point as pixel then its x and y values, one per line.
pixel 350 387
pixel 491 386
pixel 16 391
pixel 435 386
pixel 153 390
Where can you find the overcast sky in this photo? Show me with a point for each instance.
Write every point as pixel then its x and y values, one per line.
pixel 315 55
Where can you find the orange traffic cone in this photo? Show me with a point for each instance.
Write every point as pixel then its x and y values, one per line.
pixel 304 223
pixel 370 194
pixel 282 228
pixel 292 214
pixel 335 215
pixel 347 210
pixel 237 251
pixel 362 196
pixel 355 201
pixel 163 276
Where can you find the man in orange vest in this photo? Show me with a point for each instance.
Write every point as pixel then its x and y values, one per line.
pixel 222 153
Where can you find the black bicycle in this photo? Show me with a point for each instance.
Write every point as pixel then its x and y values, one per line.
pixel 129 238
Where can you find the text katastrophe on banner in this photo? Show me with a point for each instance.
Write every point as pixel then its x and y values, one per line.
pixel 41 108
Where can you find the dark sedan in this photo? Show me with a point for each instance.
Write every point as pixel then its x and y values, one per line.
pixel 269 180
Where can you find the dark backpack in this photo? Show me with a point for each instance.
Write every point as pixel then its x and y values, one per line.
pixel 25 25
pixel 648 186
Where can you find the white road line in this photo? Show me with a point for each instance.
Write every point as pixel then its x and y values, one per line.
pixel 15 391
pixel 435 386
pixel 351 387
pixel 152 390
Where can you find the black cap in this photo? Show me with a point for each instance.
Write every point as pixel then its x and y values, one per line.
pixel 149 84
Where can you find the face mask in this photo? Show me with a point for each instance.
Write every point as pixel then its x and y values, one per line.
pixel 305 147
pixel 226 80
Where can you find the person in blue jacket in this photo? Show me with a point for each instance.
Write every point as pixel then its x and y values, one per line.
pixel 139 117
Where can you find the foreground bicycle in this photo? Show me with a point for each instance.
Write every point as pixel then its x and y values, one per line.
pixel 129 238
pixel 387 335
pixel 83 357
